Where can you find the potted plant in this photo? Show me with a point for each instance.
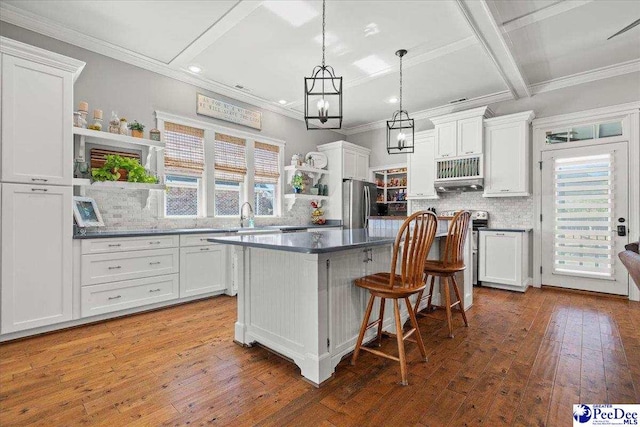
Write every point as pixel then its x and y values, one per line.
pixel 116 167
pixel 297 183
pixel 137 129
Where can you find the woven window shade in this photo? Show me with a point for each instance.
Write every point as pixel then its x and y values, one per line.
pixel 267 164
pixel 230 158
pixel 184 149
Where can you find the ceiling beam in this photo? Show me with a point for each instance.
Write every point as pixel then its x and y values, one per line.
pixel 233 17
pixel 544 13
pixel 484 26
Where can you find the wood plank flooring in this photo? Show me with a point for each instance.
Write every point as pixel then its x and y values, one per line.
pixel 524 360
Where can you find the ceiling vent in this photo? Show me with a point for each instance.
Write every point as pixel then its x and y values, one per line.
pixel 455 101
pixel 242 88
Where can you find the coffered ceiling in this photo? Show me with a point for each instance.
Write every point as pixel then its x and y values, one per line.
pixel 259 51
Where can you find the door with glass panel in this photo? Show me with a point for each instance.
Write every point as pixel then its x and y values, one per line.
pixel 584 218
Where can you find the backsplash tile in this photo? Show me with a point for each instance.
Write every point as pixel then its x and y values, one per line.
pixel 503 211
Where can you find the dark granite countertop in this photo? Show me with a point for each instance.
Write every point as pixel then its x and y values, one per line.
pixel 163 232
pixel 315 242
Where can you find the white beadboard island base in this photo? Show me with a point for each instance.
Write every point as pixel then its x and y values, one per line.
pixel 304 305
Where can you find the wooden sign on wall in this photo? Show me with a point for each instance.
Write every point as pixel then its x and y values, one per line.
pixel 217 109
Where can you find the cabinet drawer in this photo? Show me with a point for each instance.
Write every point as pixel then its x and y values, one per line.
pixel 199 239
pixel 99 246
pixel 99 299
pixel 103 268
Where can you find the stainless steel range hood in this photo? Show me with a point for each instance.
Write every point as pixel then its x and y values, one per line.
pixel 459 185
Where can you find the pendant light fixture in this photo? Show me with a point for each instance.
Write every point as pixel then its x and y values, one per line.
pixel 400 128
pixel 323 93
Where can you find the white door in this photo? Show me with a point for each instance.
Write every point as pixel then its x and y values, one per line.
pixel 584 202
pixel 421 169
pixel 37 123
pixel 349 164
pixel 362 167
pixel 446 140
pixel 203 269
pixel 470 136
pixel 36 256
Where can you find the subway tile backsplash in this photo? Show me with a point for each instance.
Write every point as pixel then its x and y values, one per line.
pixel 503 211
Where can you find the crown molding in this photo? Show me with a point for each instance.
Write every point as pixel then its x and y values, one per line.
pixel 525 116
pixel 609 71
pixel 596 114
pixel 32 22
pixel 439 111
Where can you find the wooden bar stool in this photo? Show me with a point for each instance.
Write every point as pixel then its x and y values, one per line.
pixel 451 261
pixel 414 239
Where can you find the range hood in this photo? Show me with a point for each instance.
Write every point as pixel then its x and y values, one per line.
pixel 459 185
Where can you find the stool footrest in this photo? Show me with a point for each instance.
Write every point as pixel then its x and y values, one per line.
pixel 380 353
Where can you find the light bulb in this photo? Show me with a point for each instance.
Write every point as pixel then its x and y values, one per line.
pixel 323 110
pixel 401 139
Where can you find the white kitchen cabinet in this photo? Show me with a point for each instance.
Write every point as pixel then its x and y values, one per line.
pixel 362 166
pixel 504 259
pixel 349 161
pixel 36 256
pixel 460 134
pixel 421 168
pixel 203 269
pixel 37 117
pixel 507 147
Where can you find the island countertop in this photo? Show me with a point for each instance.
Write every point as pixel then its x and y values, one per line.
pixel 313 242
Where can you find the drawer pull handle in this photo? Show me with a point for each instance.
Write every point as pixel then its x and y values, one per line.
pixel 115 267
pixel 154 290
pixel 44 190
pixel 154 263
pixel 203 240
pixel 155 243
pixel 204 249
pixel 499 234
pixel 115 245
pixel 39 180
pixel 504 190
pixel 116 297
pixel 468 152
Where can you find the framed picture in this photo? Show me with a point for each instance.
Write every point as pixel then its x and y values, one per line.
pixel 86 212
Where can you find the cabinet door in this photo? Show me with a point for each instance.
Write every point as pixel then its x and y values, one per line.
pixel 506 169
pixel 470 136
pixel 203 269
pixel 421 170
pixel 362 167
pixel 37 123
pixel 500 257
pixel 446 140
pixel 349 162
pixel 36 256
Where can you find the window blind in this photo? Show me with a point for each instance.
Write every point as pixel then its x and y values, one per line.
pixel 584 217
pixel 184 149
pixel 267 163
pixel 230 158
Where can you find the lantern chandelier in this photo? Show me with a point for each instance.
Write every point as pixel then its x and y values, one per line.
pixel 323 93
pixel 400 129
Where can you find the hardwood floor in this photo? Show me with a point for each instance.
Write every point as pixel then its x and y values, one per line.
pixel 524 360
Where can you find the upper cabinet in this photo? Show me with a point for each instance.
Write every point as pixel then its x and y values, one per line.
pixel 37 114
pixel 459 134
pixel 421 167
pixel 507 148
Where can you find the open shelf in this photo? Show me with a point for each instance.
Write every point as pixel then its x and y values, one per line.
pixel 114 139
pixel 307 169
pixel 291 198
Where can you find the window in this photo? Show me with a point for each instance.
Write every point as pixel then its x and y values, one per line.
pixel 267 174
pixel 184 166
pixel 230 172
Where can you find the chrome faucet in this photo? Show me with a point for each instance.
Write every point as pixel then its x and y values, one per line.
pixel 249 217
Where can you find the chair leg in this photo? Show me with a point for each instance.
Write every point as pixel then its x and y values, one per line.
pixel 414 322
pixel 447 304
pixel 399 337
pixel 461 304
pixel 381 318
pixel 363 328
pixel 416 309
pixel 433 280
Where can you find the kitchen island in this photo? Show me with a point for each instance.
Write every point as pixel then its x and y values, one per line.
pixel 296 294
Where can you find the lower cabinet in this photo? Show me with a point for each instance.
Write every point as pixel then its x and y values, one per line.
pixel 36 256
pixel 203 269
pixel 504 259
pixel 114 296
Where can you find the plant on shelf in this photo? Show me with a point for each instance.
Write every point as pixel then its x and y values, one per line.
pixel 297 182
pixel 114 164
pixel 137 129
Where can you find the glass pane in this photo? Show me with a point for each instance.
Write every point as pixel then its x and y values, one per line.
pixel 557 137
pixel 581 133
pixel 227 198
pixel 606 130
pixel 265 199
pixel 181 201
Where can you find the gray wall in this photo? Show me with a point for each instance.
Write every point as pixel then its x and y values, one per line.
pixel 135 93
pixel 602 93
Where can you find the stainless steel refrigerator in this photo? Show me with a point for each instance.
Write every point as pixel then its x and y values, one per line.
pixel 358 203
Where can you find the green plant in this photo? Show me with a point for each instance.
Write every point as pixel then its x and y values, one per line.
pixel 297 181
pixel 110 171
pixel 136 126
